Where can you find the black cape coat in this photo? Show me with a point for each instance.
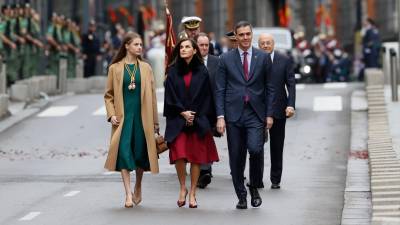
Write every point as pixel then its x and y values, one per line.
pixel 198 98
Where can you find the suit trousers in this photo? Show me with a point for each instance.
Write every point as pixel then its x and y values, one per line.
pixel 277 139
pixel 246 134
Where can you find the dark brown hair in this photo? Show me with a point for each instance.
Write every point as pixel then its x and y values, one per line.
pixel 177 56
pixel 128 38
pixel 242 24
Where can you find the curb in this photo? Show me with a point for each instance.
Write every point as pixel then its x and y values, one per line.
pixel 29 111
pixel 357 196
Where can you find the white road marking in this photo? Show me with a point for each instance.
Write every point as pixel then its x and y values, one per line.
pixel 336 85
pixel 71 193
pixel 328 103
pixel 30 216
pixel 57 111
pixel 300 86
pixel 100 111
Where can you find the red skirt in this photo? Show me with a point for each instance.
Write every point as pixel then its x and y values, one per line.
pixel 193 149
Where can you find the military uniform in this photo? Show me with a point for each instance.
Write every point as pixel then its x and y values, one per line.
pixel 54 56
pixel 12 54
pixel 35 52
pixel 2 33
pixel 24 48
pixel 71 55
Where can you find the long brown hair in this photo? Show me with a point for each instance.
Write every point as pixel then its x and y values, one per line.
pixel 177 59
pixel 128 38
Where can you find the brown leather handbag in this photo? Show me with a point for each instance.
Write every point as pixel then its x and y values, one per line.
pixel 161 144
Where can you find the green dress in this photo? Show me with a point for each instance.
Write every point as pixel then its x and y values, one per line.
pixel 132 151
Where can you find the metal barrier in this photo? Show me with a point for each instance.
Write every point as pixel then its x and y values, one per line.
pixel 393 75
pixel 3 78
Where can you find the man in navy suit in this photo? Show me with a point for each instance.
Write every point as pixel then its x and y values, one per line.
pixel 211 62
pixel 244 97
pixel 282 77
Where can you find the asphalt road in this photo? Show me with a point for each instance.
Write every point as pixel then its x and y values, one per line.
pixel 51 170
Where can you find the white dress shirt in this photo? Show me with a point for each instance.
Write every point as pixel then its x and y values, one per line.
pixel 272 56
pixel 205 58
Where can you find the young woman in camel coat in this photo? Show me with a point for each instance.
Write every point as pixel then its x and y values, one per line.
pixel 131 106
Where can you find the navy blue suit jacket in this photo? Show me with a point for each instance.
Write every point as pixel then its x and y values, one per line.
pixel 282 76
pixel 212 67
pixel 232 87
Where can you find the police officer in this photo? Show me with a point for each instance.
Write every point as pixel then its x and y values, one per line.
pixel 371 44
pixel 90 49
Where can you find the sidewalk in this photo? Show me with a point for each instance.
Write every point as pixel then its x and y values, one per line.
pixel 21 110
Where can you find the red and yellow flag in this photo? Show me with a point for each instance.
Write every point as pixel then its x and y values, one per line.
pixel 284 14
pixel 170 39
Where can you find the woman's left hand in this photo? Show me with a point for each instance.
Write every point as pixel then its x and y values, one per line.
pixel 156 128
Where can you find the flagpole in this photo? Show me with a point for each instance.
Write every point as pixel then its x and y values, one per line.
pixel 166 7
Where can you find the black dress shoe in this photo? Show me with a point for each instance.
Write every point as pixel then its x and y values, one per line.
pixel 255 197
pixel 275 186
pixel 204 180
pixel 242 204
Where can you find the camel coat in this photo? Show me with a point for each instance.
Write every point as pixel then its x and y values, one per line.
pixel 114 102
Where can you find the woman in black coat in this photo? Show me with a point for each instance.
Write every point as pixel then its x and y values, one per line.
pixel 190 114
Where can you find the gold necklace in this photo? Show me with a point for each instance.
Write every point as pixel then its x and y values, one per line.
pixel 132 85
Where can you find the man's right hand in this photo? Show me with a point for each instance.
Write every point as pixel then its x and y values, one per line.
pixel 221 125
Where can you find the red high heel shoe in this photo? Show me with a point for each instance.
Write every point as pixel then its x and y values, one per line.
pixel 182 203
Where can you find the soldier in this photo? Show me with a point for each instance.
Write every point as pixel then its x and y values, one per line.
pixel 54 47
pixel 5 42
pixel 77 36
pixel 25 45
pixel 191 25
pixel 61 28
pixel 2 38
pixel 36 45
pixel 21 31
pixel 12 46
pixel 73 50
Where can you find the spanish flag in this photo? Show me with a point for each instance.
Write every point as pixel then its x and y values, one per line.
pixel 170 39
pixel 283 13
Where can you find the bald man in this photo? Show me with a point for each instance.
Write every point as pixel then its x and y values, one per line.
pixel 282 78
